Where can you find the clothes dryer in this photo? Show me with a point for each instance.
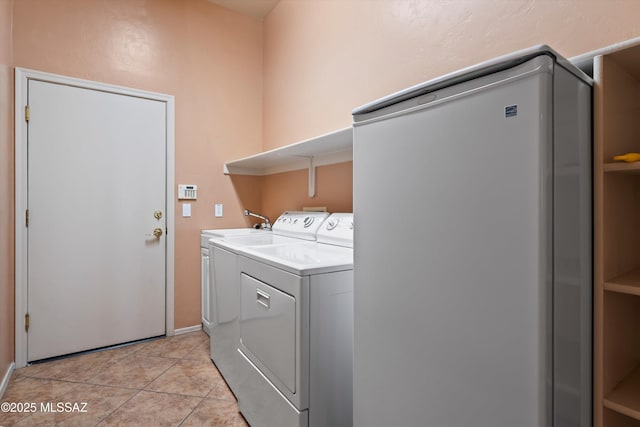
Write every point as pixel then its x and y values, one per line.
pixel 291 227
pixel 296 330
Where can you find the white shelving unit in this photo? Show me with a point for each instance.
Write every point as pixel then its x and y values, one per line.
pixel 616 230
pixel 328 149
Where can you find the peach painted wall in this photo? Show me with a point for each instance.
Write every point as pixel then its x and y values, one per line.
pixel 208 57
pixel 289 190
pixel 6 191
pixel 323 58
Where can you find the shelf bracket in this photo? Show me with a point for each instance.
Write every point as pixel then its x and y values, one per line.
pixel 312 175
pixel 312 178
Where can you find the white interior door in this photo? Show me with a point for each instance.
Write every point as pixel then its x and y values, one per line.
pixel 96 177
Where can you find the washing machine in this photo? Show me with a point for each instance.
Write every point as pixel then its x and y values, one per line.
pixel 296 330
pixel 224 299
pixel 206 308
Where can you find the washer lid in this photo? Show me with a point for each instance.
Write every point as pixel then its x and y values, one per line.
pixel 290 227
pixel 304 258
pixel 205 235
pixel 224 232
pixel 234 243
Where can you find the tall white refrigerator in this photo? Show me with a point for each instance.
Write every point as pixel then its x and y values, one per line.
pixel 473 249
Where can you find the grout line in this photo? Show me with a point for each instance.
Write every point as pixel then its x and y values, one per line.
pixel 159 375
pixel 191 413
pixel 118 407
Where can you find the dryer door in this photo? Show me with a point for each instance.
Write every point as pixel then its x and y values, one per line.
pixel 268 329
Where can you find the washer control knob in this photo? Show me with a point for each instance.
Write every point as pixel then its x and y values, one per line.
pixel 332 223
pixel 308 221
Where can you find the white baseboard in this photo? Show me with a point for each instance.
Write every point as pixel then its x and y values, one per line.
pixel 188 329
pixel 5 381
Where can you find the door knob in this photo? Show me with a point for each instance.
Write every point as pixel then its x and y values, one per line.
pixel 157 232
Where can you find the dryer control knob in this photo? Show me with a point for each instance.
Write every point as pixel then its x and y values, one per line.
pixel 332 223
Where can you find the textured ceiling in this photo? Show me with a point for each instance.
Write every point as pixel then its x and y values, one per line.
pixel 257 8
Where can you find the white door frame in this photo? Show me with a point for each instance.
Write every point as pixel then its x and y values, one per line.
pixel 22 78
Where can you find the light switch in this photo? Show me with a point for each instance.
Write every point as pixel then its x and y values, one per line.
pixel 186 210
pixel 218 209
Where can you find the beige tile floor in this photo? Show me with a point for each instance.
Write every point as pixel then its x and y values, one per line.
pixel 166 382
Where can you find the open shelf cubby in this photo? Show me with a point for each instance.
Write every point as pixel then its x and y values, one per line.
pixel 617 239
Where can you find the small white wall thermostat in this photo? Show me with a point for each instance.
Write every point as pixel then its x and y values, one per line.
pixel 187 192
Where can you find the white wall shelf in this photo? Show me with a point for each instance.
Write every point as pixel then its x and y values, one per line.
pixel 334 147
pixel 328 149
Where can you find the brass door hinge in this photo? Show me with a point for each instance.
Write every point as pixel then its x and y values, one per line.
pixel 27 113
pixel 26 322
pixel 26 220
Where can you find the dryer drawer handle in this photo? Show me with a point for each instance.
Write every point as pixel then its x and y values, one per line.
pixel 263 298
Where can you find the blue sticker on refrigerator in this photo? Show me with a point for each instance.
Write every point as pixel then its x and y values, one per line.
pixel 510 111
